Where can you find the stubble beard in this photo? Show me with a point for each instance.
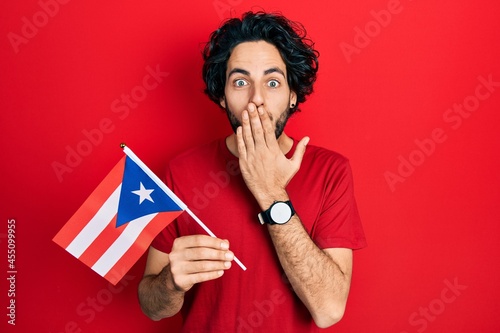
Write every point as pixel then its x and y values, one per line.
pixel 280 123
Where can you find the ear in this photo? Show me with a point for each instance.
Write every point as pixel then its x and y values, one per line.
pixel 222 102
pixel 293 98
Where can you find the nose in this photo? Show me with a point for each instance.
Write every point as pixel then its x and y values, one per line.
pixel 257 96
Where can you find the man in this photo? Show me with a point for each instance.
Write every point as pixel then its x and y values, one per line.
pixel 289 212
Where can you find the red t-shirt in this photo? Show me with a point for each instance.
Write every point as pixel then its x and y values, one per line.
pixel 208 180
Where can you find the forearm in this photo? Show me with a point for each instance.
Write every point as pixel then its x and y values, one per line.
pixel 315 277
pixel 158 296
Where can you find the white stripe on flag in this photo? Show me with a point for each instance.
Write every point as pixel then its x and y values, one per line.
pixel 95 226
pixel 122 244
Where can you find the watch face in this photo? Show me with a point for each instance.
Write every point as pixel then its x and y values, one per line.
pixel 280 213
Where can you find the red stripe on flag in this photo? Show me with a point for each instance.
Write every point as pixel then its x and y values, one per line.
pixel 105 239
pixel 90 207
pixel 141 244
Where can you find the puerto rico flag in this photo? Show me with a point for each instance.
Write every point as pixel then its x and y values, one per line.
pixel 118 221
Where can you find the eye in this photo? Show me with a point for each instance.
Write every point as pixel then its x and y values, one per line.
pixel 273 83
pixel 240 83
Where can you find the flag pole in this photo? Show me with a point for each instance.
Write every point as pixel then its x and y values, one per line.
pixel 169 192
pixel 236 260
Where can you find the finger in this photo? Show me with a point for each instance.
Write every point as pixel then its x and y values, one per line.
pixel 246 132
pixel 300 151
pixel 196 260
pixel 256 125
pixel 240 142
pixel 201 241
pixel 205 276
pixel 185 282
pixel 267 124
pixel 205 253
pixel 203 266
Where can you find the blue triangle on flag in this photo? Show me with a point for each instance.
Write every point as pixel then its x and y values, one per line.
pixel 140 195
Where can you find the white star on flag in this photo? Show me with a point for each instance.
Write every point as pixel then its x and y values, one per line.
pixel 143 194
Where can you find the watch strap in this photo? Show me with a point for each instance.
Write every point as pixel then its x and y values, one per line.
pixel 265 216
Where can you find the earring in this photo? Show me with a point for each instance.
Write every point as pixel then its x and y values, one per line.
pixel 292 105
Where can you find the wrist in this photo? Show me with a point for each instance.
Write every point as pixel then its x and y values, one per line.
pixel 167 281
pixel 267 199
pixel 279 213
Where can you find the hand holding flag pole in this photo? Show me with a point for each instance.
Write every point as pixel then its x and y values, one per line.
pixel 119 220
pixel 172 195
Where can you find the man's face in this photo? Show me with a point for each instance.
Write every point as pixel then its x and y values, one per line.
pixel 256 74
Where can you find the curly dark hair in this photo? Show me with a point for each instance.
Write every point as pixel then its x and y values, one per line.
pixel 290 38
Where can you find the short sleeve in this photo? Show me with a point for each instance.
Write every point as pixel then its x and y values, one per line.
pixel 339 223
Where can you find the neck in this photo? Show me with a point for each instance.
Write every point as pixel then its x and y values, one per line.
pixel 284 141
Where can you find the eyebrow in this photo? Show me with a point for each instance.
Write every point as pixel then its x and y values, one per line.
pixel 273 70
pixel 247 73
pixel 238 70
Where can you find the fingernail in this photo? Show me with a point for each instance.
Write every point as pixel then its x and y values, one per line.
pixel 229 255
pixel 220 273
pixel 227 264
pixel 251 108
pixel 224 245
pixel 261 110
pixel 245 115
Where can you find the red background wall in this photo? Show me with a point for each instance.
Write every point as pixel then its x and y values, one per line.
pixel 393 77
